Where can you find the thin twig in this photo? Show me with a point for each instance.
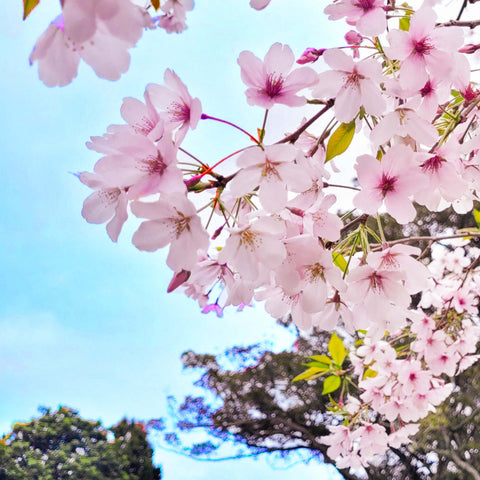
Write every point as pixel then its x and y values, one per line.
pixel 292 138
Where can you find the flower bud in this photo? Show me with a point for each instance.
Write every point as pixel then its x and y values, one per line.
pixel 310 55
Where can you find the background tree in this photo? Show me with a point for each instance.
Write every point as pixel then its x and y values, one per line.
pixel 61 445
pixel 262 411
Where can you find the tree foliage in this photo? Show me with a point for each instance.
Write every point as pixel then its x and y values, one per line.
pixel 60 445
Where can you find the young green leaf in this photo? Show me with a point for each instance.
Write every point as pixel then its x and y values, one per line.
pixel 330 384
pixel 310 374
pixel 476 216
pixel 321 358
pixel 339 261
pixel 340 140
pixel 28 6
pixel 320 365
pixel 337 349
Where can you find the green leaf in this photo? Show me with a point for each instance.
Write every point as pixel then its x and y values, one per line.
pixel 369 373
pixel 320 365
pixel 337 349
pixel 339 261
pixel 340 140
pixel 309 374
pixel 404 23
pixel 330 384
pixel 28 6
pixel 476 216
pixel 321 358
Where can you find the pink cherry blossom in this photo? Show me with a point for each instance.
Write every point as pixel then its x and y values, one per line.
pixel 391 181
pixel 175 13
pixel 253 249
pixel 353 85
pixel 274 171
pixel 259 4
pixel 272 80
pixel 100 32
pixel 108 203
pixel 367 15
pixel 425 50
pixel 175 105
pixel 172 220
pixel 142 119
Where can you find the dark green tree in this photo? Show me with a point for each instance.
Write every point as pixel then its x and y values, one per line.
pixel 60 445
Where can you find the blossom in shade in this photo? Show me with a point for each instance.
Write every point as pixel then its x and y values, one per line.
pixel 255 247
pixel 175 105
pixel 172 220
pixel 272 80
pixel 108 203
pixel 272 170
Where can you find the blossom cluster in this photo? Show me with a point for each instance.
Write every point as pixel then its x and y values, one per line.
pixel 100 32
pixel 261 224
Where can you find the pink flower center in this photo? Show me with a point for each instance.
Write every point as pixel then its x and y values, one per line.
pixel 432 165
pixel 427 89
pixel 365 5
pixel 387 184
pixel 376 282
pixel 422 47
pixel 153 165
pixel 181 224
pixel 354 79
pixel 273 85
pixel 144 126
pixel 179 112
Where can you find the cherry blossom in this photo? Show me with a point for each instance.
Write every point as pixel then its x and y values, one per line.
pixel 100 32
pixel 367 15
pixel 171 221
pixel 352 84
pixel 391 181
pixel 175 105
pixel 272 80
pixel 260 224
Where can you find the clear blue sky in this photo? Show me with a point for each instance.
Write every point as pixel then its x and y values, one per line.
pixel 84 322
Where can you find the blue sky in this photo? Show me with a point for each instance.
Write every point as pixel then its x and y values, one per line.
pixel 85 322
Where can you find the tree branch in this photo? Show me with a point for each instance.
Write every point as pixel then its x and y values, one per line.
pixel 463 464
pixel 460 23
pixel 292 138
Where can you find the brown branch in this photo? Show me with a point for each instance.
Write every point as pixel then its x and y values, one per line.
pixel 469 418
pixel 464 465
pixel 428 238
pixel 460 23
pixel 292 138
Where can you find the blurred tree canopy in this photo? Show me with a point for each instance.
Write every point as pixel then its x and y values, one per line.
pixel 60 445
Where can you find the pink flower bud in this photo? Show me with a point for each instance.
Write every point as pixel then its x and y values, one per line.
pixel 469 48
pixel 353 38
pixel 179 278
pixel 310 55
